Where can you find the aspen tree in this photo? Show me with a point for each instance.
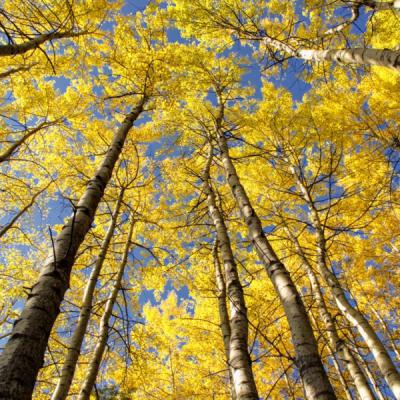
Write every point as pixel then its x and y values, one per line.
pixel 223 314
pixel 316 383
pixel 24 352
pixel 95 361
pixel 71 359
pixel 239 357
pixel 353 315
pixel 336 343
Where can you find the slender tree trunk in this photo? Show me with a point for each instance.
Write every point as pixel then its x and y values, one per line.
pixel 308 361
pixel 20 48
pixel 95 362
pixel 387 332
pixel 343 382
pixel 335 343
pixel 74 349
pixel 223 315
pixel 239 357
pixel 24 353
pixel 353 315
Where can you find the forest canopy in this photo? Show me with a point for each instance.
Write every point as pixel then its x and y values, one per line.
pixel 199 199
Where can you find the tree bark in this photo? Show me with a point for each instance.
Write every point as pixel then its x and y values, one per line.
pixel 223 315
pixel 74 348
pixel 20 48
pixel 24 353
pixel 361 56
pixel 308 361
pixel 353 315
pixel 335 343
pixel 95 362
pixel 239 357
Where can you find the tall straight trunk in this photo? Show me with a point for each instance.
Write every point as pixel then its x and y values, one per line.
pixel 24 353
pixel 239 357
pixel 352 314
pixel 74 348
pixel 308 361
pixel 223 315
pixel 95 362
pixel 368 372
pixel 361 56
pixel 335 343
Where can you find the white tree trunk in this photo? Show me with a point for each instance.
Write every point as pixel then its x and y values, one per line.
pixel 308 361
pixel 74 348
pixel 239 357
pixel 353 315
pixel 362 56
pixel 223 315
pixel 338 345
pixel 24 353
pixel 95 362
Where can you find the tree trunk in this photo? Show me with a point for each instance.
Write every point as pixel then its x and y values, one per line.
pixel 239 357
pixel 223 315
pixel 353 315
pixel 95 362
pixel 335 343
pixel 74 349
pixel 24 353
pixel 362 56
pixel 308 361
pixel 20 48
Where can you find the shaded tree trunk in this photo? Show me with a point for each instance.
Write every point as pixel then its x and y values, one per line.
pixel 95 362
pixel 74 348
pixel 24 353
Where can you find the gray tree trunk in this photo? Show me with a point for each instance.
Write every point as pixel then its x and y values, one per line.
pixel 74 348
pixel 95 362
pixel 24 353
